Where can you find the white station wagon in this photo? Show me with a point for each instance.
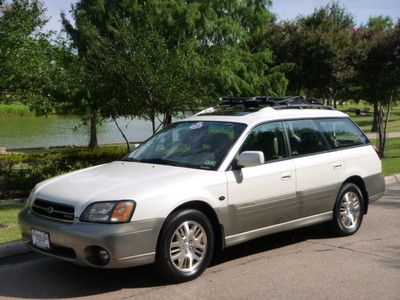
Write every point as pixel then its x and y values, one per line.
pixel 216 179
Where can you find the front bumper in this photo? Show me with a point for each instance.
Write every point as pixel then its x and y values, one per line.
pixel 130 244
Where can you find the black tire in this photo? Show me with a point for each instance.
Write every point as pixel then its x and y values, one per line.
pixel 343 226
pixel 168 268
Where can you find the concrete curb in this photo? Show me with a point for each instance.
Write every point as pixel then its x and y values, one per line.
pixel 392 179
pixel 13 249
pixel 18 247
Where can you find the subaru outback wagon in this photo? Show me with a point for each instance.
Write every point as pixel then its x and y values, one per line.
pixel 213 180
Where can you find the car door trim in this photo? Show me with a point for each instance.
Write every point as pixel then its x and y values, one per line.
pixel 303 222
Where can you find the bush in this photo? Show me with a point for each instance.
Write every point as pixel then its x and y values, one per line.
pixel 19 173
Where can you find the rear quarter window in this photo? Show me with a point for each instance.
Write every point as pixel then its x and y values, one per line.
pixel 342 133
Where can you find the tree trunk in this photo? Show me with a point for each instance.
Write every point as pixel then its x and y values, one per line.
pixel 123 135
pixel 93 131
pixel 376 116
pixel 383 137
pixel 167 119
pixel 153 123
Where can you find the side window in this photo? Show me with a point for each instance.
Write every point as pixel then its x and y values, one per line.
pixel 268 138
pixel 342 133
pixel 304 137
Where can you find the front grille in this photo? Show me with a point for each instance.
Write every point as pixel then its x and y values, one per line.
pixel 53 210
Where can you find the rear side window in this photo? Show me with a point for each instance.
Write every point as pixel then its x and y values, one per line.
pixel 304 137
pixel 268 138
pixel 341 133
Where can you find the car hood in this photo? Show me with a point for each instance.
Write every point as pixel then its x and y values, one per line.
pixel 113 181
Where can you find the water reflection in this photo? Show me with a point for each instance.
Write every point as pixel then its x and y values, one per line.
pixel 32 131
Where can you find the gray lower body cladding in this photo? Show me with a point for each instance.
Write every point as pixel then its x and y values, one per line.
pixel 375 186
pixel 129 244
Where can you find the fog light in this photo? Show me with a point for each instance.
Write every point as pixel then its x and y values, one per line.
pixel 97 255
pixel 104 257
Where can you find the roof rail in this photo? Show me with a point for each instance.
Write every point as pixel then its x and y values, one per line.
pixel 207 110
pixel 304 106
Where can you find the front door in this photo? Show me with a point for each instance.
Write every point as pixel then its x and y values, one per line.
pixel 263 195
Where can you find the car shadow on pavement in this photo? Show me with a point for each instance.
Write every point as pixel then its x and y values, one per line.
pixel 39 277
pixel 274 241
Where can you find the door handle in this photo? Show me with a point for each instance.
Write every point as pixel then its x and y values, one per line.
pixel 337 166
pixel 286 177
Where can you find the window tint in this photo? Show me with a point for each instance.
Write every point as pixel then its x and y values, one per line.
pixel 304 137
pixel 342 133
pixel 268 138
pixel 189 144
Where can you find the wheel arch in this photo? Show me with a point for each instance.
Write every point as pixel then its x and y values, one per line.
pixel 205 208
pixel 357 180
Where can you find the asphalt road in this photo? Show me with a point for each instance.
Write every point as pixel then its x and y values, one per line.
pixel 301 264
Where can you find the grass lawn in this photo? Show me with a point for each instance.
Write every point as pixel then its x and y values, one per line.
pixel 9 230
pixel 391 162
pixel 365 122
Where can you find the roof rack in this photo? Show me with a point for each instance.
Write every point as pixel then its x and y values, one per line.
pixel 288 102
pixel 255 101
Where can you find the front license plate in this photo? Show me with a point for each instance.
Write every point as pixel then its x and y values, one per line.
pixel 40 239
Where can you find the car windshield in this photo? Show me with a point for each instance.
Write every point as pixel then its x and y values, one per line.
pixel 197 144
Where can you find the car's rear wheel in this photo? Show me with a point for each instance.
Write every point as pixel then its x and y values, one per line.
pixel 185 246
pixel 349 210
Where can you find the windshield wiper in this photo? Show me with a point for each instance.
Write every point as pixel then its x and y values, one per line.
pixel 160 161
pixel 129 159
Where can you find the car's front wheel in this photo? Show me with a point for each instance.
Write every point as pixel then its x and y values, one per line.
pixel 185 246
pixel 349 210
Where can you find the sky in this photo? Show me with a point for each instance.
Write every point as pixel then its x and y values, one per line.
pixel 285 9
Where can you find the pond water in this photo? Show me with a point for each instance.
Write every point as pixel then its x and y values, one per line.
pixel 33 131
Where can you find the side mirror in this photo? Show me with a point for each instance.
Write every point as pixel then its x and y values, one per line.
pixel 250 159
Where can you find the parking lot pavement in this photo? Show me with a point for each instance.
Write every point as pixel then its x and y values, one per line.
pixel 301 264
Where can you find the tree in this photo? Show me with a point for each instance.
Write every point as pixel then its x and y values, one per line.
pixel 147 74
pixel 369 64
pixel 379 73
pixel 320 48
pixel 241 64
pixel 26 55
pixel 84 95
pixel 156 59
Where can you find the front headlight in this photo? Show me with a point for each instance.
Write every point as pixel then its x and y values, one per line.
pixel 109 212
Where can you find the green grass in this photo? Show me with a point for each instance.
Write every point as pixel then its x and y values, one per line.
pixel 8 217
pixel 14 109
pixel 391 165
pixel 391 162
pixel 365 122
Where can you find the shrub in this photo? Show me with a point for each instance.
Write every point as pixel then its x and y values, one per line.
pixel 19 173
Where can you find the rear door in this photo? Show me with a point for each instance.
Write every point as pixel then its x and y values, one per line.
pixel 263 195
pixel 319 168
